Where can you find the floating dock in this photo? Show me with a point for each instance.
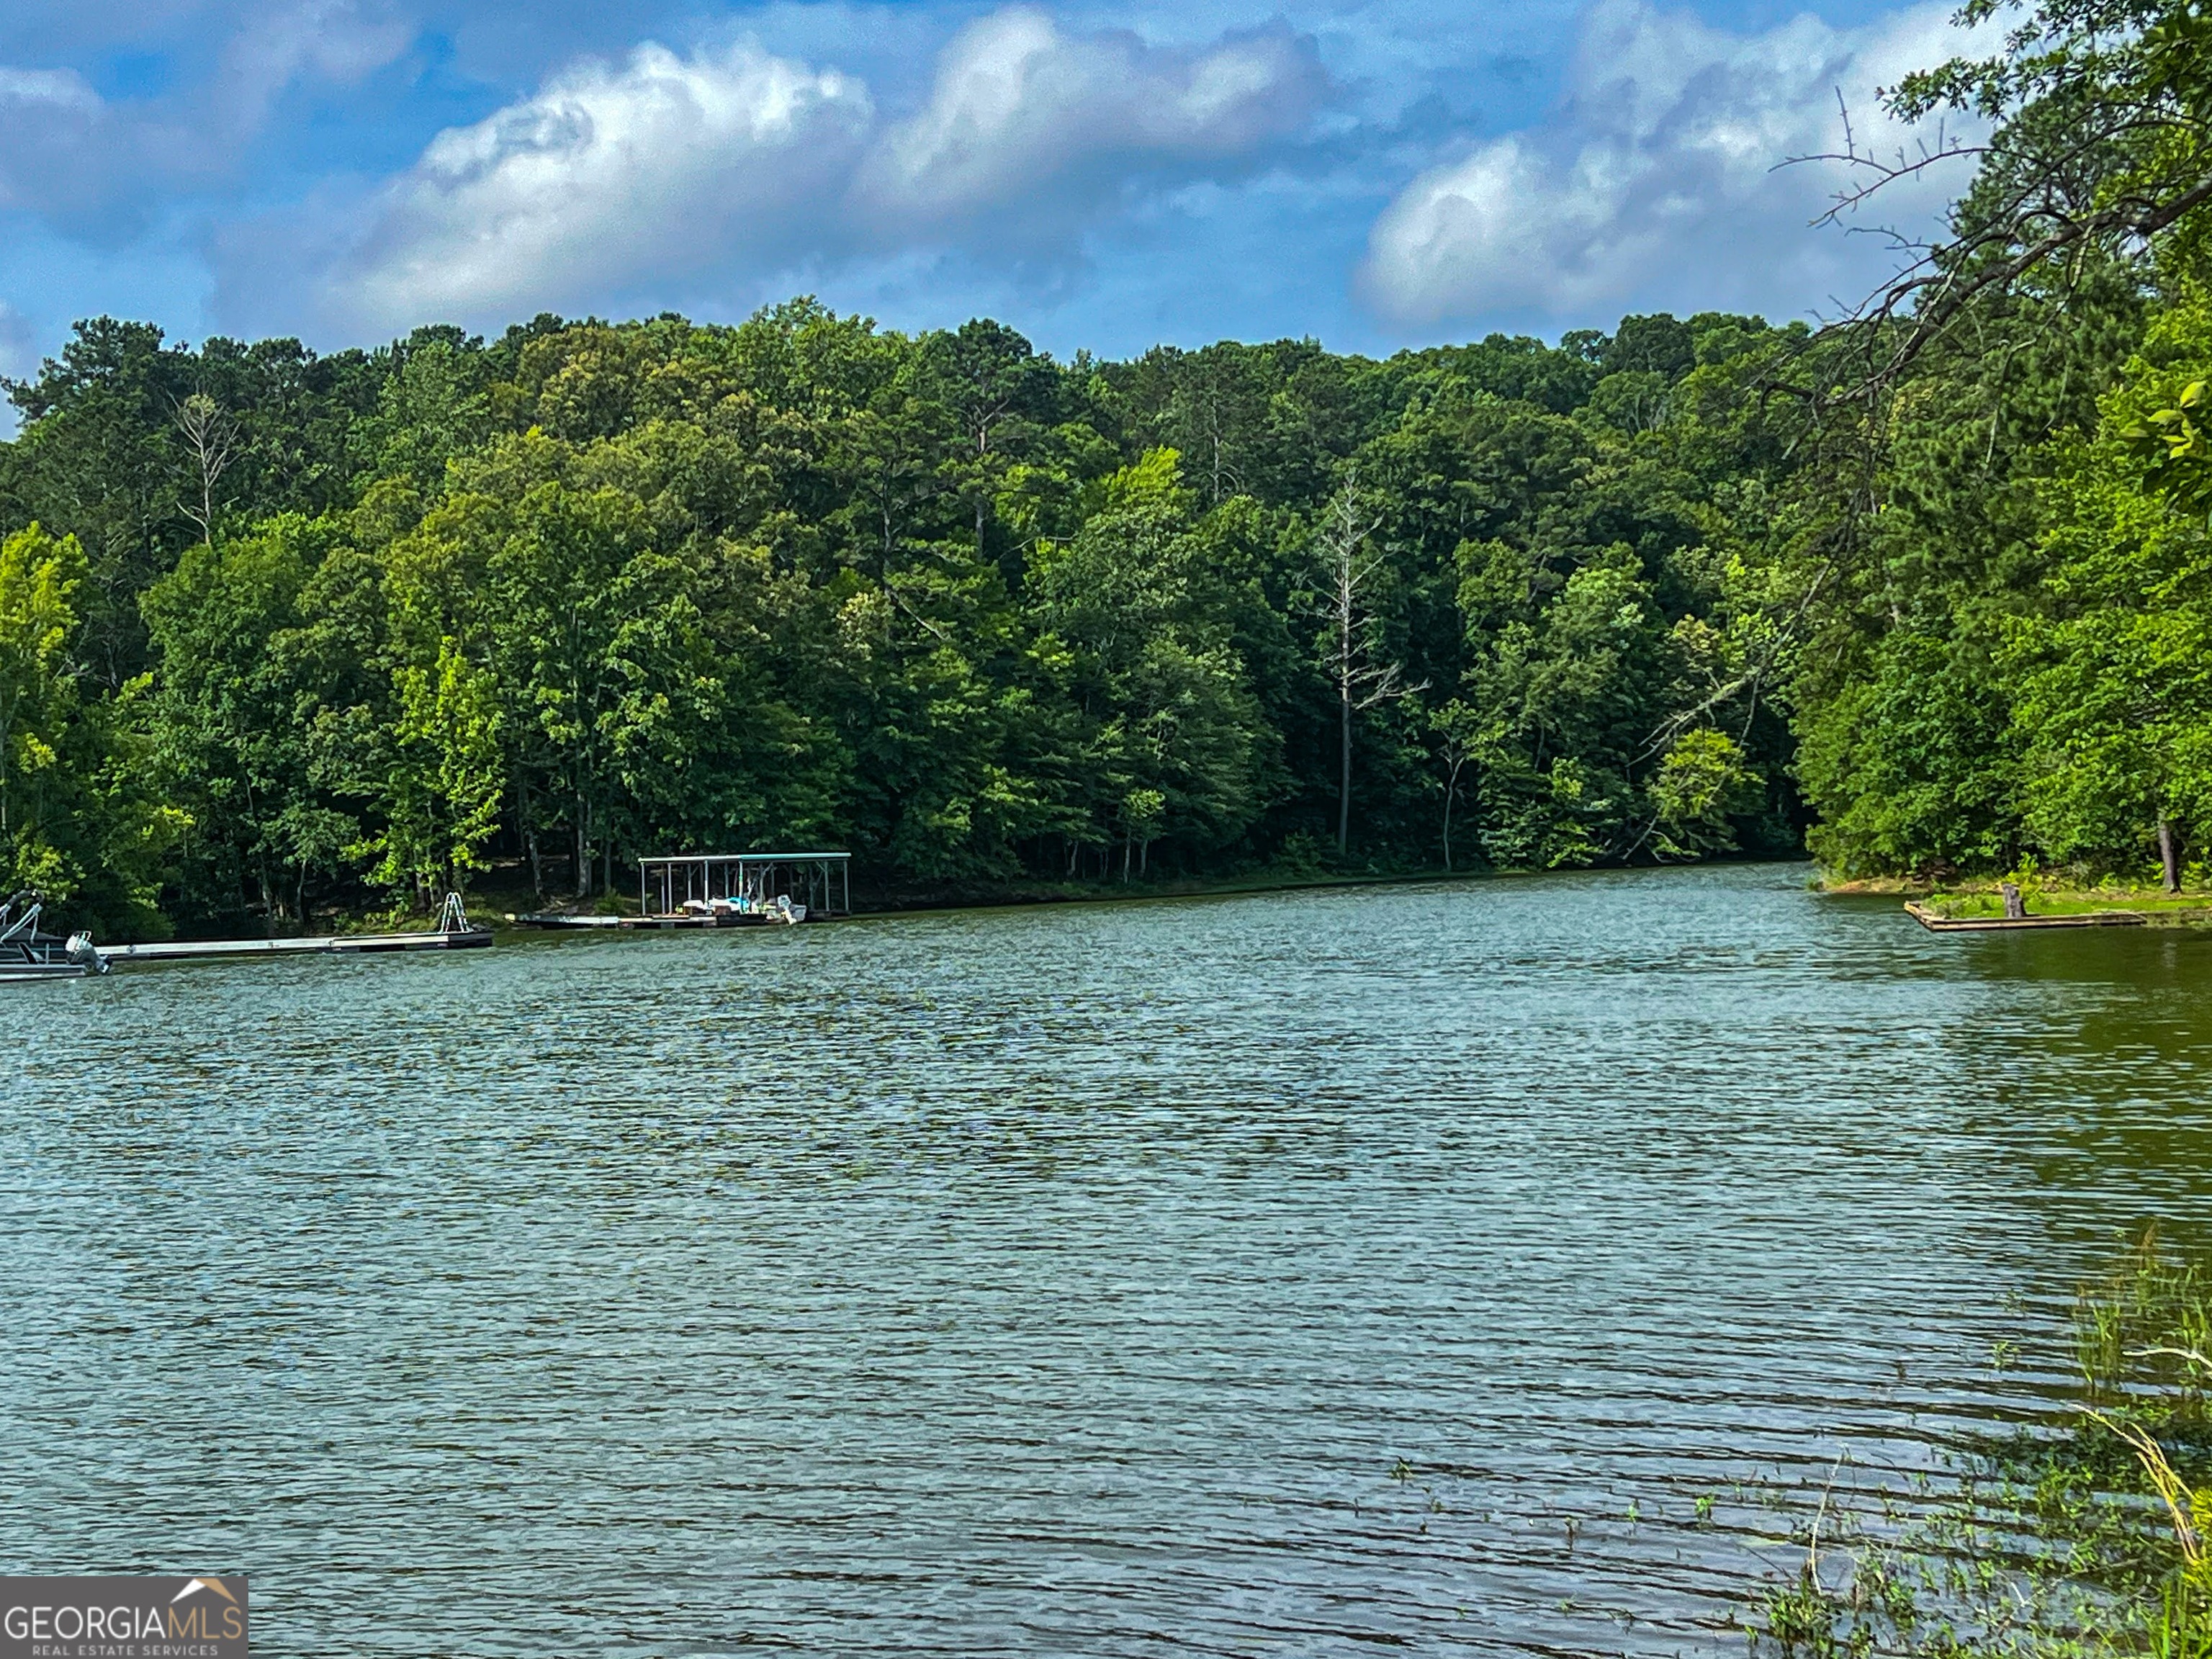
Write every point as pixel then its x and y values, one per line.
pixel 554 919
pixel 1937 923
pixel 467 938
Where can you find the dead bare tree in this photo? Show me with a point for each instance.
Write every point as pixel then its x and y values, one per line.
pixel 1459 730
pixel 1351 568
pixel 211 438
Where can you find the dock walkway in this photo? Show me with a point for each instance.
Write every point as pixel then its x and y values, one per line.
pixel 1935 922
pixel 334 945
pixel 556 919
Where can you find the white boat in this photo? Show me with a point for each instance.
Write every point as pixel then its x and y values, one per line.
pixel 28 954
pixel 745 907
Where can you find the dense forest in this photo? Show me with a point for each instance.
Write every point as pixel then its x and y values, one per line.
pixel 284 629
pixel 1925 590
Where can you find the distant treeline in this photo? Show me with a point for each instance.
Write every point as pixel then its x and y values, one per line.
pixel 1927 590
pixel 283 630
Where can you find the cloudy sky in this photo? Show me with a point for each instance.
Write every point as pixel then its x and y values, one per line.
pixel 1375 172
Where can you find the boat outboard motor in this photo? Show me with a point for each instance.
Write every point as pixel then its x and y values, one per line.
pixel 82 951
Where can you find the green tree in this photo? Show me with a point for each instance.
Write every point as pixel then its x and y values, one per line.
pixel 78 822
pixel 444 777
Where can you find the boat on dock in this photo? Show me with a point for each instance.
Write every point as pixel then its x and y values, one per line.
pixel 697 913
pixel 725 912
pixel 724 890
pixel 28 954
pixel 744 889
pixel 563 922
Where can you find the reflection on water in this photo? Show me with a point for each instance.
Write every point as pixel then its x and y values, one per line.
pixel 1246 1276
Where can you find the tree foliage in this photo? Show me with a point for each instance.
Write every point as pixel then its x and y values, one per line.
pixel 377 624
pixel 2004 660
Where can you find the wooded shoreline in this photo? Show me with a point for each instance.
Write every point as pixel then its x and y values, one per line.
pixel 585 592
pixel 496 900
pixel 283 632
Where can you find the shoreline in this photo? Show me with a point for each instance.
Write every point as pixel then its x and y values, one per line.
pixel 1014 896
pixel 2050 903
pixel 499 906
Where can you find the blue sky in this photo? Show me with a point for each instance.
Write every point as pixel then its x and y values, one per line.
pixel 1374 172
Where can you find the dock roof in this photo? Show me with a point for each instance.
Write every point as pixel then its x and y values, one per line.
pixel 743 858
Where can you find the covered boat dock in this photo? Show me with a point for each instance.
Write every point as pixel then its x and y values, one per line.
pixel 746 883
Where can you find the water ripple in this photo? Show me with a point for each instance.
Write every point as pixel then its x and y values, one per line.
pixel 1282 1274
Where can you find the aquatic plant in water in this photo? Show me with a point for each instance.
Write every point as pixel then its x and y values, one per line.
pixel 2087 1536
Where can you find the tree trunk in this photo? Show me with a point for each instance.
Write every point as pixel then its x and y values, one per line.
pixel 2169 854
pixel 2016 906
pixel 1344 772
pixel 1451 789
pixel 583 849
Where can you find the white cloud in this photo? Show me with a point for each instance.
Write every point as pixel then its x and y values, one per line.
pixel 50 122
pixel 731 166
pixel 1657 182
pixel 94 165
pixel 333 40
pixel 51 89
pixel 662 164
pixel 1023 115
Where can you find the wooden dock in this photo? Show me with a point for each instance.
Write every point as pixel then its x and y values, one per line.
pixel 1937 923
pixel 467 938
pixel 558 921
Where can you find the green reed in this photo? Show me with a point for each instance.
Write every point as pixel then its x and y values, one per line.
pixel 2088 1537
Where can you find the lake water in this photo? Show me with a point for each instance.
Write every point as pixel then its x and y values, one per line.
pixel 1278 1274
